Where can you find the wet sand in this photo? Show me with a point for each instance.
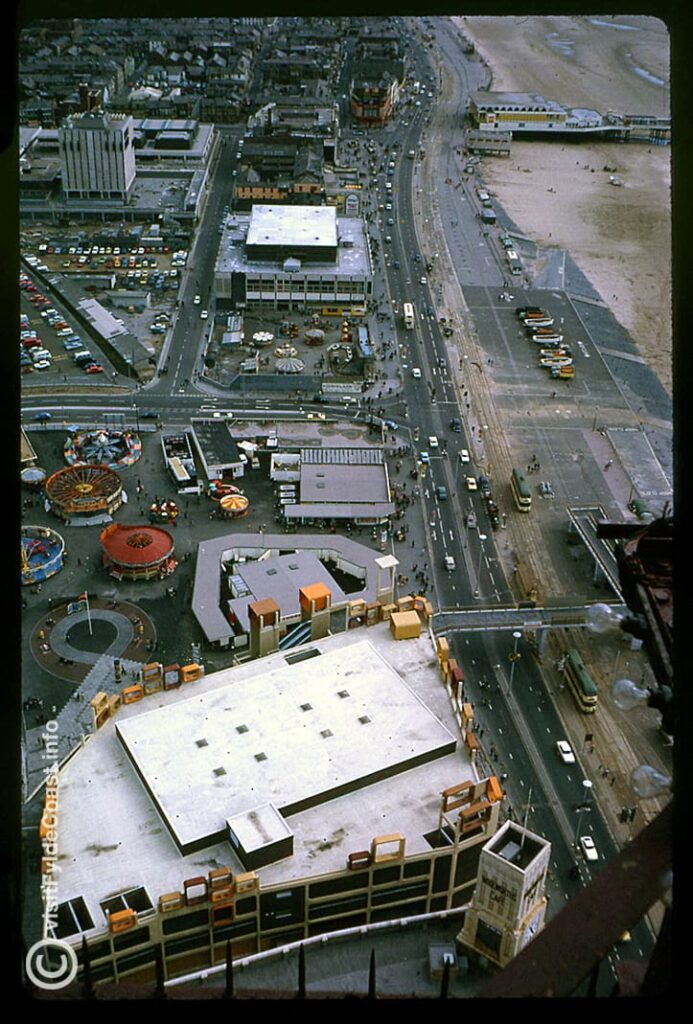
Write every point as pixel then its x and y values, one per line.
pixel 620 237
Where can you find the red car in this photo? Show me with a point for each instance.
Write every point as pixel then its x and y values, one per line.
pixel 94 368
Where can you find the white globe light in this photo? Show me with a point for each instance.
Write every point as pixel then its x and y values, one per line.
pixel 648 782
pixel 601 618
pixel 627 695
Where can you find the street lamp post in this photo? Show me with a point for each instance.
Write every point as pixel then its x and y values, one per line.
pixel 514 658
pixel 482 538
pixel 583 807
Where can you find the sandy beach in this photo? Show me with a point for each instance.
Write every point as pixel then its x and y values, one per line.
pixel 620 237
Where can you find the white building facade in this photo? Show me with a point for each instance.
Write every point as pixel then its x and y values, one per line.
pixel 97 156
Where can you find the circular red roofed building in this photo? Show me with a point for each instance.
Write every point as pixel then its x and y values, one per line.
pixel 137 552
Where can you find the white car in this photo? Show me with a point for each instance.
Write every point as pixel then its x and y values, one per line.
pixel 423 280
pixel 470 483
pixel 416 373
pixel 204 314
pixel 464 455
pixel 433 441
pixel 197 300
pixel 565 752
pixel 42 364
pixel 588 848
pixel 424 457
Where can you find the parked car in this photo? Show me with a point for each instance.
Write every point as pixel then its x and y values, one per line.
pixel 94 368
pixel 42 364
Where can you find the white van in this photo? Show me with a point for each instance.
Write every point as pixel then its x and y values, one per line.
pixel 449 563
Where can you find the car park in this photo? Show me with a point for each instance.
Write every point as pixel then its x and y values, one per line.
pixel 470 483
pixel 588 848
pixel 565 752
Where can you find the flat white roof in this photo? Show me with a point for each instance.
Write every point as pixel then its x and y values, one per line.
pixel 315 729
pixel 293 225
pixel 112 838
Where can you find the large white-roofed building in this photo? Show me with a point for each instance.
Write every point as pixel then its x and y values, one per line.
pixel 288 256
pixel 294 795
